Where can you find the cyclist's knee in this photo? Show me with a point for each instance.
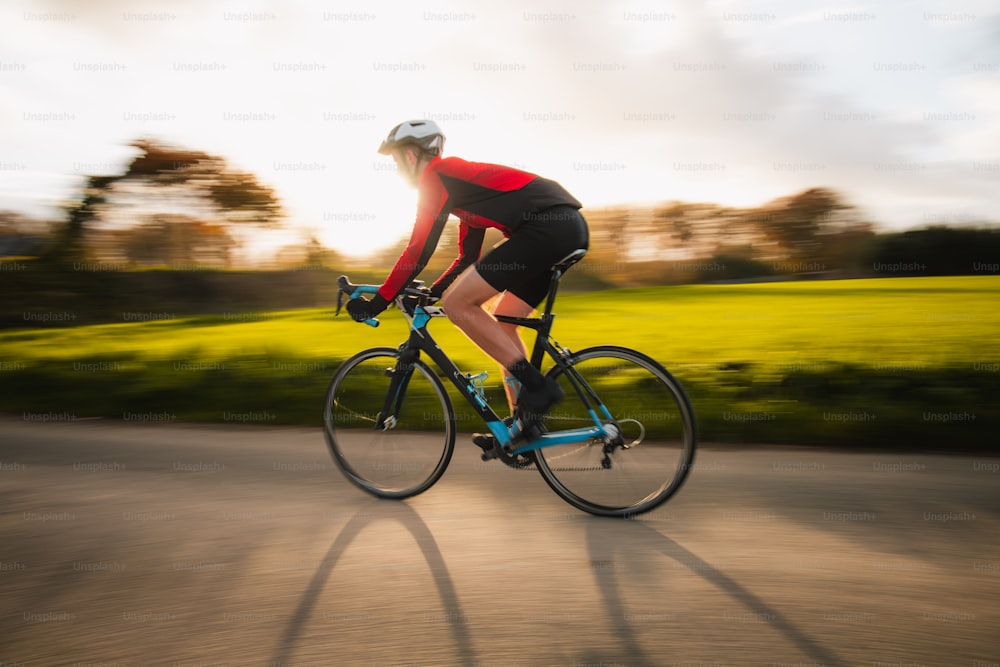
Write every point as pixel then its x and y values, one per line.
pixel 450 302
pixel 455 307
pixel 469 291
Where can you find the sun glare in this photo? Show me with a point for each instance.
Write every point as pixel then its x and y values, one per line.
pixel 377 215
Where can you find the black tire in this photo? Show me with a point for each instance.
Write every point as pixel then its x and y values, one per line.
pixel 411 455
pixel 651 410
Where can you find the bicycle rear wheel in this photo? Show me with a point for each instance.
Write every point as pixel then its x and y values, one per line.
pixel 389 425
pixel 651 459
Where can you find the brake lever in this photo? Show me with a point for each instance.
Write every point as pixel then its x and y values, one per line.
pixel 343 287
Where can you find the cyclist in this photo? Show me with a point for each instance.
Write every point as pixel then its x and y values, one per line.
pixel 542 225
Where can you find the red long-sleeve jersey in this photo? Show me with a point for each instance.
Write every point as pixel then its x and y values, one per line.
pixel 481 196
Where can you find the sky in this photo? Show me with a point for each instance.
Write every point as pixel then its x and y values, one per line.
pixel 894 104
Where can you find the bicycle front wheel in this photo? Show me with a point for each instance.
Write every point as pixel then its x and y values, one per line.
pixel 389 425
pixel 649 461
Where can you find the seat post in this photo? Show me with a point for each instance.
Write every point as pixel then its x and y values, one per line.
pixel 558 269
pixel 550 299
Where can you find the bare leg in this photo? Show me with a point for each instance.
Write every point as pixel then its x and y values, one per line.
pixel 512 306
pixel 463 304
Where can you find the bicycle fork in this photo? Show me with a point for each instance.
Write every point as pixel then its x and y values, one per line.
pixel 399 381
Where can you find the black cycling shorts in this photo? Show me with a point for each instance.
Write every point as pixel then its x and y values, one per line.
pixel 523 263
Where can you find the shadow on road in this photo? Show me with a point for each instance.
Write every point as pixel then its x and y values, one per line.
pixel 601 533
pixel 372 513
pixel 598 533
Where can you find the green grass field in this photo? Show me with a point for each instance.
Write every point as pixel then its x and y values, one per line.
pixel 893 362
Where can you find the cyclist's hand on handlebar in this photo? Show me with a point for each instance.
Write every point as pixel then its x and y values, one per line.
pixel 430 295
pixel 362 309
pixel 436 291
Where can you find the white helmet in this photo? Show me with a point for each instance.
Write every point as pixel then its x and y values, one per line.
pixel 423 133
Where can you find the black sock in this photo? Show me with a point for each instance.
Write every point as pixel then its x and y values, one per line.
pixel 526 374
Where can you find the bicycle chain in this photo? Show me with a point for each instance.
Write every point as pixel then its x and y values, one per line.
pixel 516 463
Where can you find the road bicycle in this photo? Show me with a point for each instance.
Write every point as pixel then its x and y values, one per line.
pixel 620 443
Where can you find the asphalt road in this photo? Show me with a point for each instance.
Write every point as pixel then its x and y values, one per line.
pixel 151 544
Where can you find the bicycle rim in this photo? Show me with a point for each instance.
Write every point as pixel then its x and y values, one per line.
pixel 655 419
pixel 412 452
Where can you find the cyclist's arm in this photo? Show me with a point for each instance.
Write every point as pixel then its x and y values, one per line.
pixel 432 214
pixel 470 246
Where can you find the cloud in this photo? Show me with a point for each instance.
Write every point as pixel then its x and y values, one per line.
pixel 622 100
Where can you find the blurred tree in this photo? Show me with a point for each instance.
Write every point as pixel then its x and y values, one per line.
pixel 678 241
pixel 795 222
pixel 936 251
pixel 69 247
pixel 22 235
pixel 162 178
pixel 607 259
pixel 236 196
pixel 685 229
pixel 309 254
pixel 174 240
pixel 318 255
pixel 678 225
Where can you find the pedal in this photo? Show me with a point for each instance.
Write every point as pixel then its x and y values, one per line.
pixel 493 451
pixel 487 443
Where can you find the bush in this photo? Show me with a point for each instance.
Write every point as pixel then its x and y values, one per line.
pixel 732 267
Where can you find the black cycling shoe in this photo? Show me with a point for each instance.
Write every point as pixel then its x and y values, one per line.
pixel 487 443
pixel 534 403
